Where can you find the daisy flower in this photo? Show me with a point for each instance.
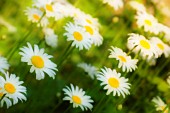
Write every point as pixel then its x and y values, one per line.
pixel 47 5
pixel 166 30
pixel 137 6
pixel 116 4
pixel 160 46
pixel 93 32
pixel 88 68
pixel 148 21
pixel 77 96
pixel 4 64
pixel 140 44
pixel 160 105
pixel 114 82
pixel 39 61
pixel 78 35
pixel 125 61
pixel 35 15
pixel 51 38
pixel 12 87
pixel 83 18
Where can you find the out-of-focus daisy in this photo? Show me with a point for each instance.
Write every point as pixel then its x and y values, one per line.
pixel 35 15
pixel 87 19
pixel 116 4
pixel 160 105
pixel 47 5
pixel 50 37
pixel 39 61
pixel 93 32
pixel 125 61
pixel 12 88
pixel 113 82
pixel 88 68
pixel 4 100
pixel 140 44
pixel 148 21
pixel 78 35
pixel 4 64
pixel 77 96
pixel 160 46
pixel 137 6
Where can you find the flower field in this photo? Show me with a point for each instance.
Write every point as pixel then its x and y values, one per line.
pixel 84 56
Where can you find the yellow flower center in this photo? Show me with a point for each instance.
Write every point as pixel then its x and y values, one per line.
pixel 78 36
pixel 49 7
pixel 88 21
pixel 122 58
pixel 36 17
pixel 145 44
pixel 160 46
pixel 37 61
pixel 113 82
pixel 10 88
pixel 89 29
pixel 148 22
pixel 76 99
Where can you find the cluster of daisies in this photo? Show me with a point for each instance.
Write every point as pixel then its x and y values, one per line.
pixel 84 31
pixel 11 89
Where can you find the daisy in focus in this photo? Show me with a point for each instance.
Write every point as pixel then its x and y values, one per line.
pixel 88 68
pixel 160 47
pixel 77 96
pixel 116 4
pixel 39 61
pixel 138 43
pixel 114 82
pixel 51 38
pixel 35 15
pixel 125 61
pixel 12 88
pixel 4 64
pixel 78 35
pixel 160 105
pixel 148 21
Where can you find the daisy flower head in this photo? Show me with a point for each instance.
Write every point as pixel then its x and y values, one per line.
pixel 40 62
pixel 114 82
pixel 138 43
pixel 166 30
pixel 77 96
pixel 116 4
pixel 12 88
pixel 4 64
pixel 148 21
pixel 78 35
pixel 160 46
pixel 125 61
pixel 137 6
pixel 93 32
pixel 88 68
pixel 51 38
pixel 160 105
pixel 86 19
pixel 35 16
